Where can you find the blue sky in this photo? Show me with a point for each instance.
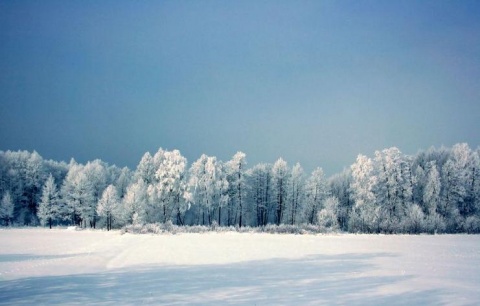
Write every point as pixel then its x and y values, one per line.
pixel 316 82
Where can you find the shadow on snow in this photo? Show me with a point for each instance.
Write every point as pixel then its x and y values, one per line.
pixel 324 279
pixel 29 257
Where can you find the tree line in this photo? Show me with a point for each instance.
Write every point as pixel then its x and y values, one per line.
pixel 434 191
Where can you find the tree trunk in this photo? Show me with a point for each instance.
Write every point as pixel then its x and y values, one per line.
pixel 240 199
pixel 240 220
pixel 179 217
pixel 164 213
pixel 229 208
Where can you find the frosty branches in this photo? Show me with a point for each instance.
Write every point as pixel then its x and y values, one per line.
pixel 434 191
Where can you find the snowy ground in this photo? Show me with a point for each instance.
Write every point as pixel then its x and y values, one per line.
pixel 40 266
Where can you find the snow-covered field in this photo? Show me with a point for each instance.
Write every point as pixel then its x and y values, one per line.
pixel 41 266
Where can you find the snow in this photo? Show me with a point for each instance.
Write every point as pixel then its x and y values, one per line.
pixel 61 266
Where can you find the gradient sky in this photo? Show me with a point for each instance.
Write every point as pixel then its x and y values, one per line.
pixel 316 82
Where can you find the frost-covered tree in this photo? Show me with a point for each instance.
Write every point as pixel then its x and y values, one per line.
pixel 435 224
pixel 316 190
pixel 296 193
pixel 97 174
pixel 4 169
pixel 471 177
pixel 171 189
pixel 473 184
pixel 108 205
pixel 391 191
pixel 280 180
pixel 203 176
pixel 364 216
pixel 260 192
pixel 458 177
pixel 221 196
pixel 339 186
pixel 420 183
pixel 23 174
pixel 327 217
pixel 462 160
pixel 472 225
pixel 452 197
pixel 431 195
pixel 383 194
pixel 58 170
pixel 77 195
pixel 236 182
pixel 6 208
pixel 135 203
pixel 146 168
pixel 48 208
pixel 123 180
pixel 414 220
pixel 209 187
pixel 25 178
pixel 34 177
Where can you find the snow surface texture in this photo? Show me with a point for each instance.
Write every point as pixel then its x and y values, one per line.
pixel 62 266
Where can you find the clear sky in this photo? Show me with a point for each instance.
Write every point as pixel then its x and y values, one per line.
pixel 316 82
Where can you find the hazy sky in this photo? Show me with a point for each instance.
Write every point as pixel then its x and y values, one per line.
pixel 316 82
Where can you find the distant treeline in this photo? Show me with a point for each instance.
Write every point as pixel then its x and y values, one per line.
pixel 434 191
